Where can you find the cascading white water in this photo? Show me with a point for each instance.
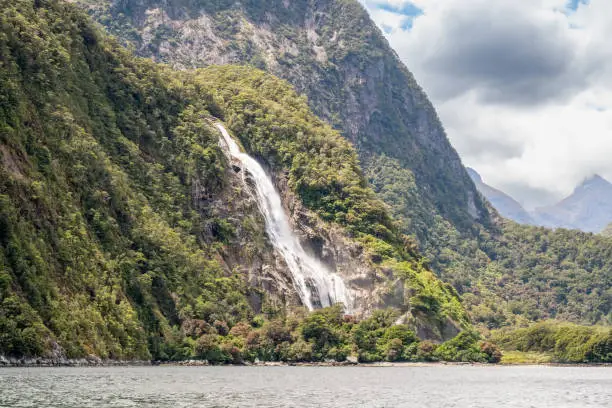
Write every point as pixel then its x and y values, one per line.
pixel 314 282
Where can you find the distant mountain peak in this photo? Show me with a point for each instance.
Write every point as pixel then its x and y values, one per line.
pixel 594 181
pixel 588 208
pixel 507 206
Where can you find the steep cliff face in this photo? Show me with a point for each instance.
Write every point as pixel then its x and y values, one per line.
pixel 332 52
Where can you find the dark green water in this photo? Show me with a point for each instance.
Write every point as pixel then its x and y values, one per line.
pixel 419 387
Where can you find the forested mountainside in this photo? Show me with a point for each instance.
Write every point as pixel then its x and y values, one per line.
pixel 125 232
pixel 331 51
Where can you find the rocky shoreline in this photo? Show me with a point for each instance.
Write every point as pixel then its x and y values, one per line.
pixel 68 362
pixel 98 362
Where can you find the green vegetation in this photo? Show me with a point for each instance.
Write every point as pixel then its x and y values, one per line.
pixel 277 126
pixel 110 243
pixel 328 335
pixel 536 273
pixel 520 357
pixel 100 249
pixel 508 274
pixel 563 342
pixel 607 231
pixel 511 273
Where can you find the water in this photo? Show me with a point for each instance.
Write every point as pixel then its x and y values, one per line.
pixel 419 387
pixel 316 285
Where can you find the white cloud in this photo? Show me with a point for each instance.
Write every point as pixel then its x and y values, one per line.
pixel 523 87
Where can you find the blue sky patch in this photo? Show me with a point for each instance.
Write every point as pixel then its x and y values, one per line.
pixel 574 4
pixel 386 28
pixel 406 9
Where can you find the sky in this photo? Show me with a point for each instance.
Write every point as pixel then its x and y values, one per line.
pixel 523 87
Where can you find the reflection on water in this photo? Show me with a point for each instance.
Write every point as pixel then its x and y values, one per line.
pixel 436 386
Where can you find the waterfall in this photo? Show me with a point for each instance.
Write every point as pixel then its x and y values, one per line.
pixel 316 285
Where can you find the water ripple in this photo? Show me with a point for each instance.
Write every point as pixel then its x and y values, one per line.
pixel 317 387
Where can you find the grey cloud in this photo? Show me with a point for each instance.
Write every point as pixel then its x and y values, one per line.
pixel 476 146
pixel 530 197
pixel 479 150
pixel 504 56
pixel 514 84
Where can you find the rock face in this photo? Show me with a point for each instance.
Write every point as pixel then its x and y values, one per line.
pixel 588 208
pixel 247 251
pixel 507 206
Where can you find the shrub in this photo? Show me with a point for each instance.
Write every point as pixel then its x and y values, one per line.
pixel 221 327
pixel 240 329
pixel 300 351
pixel 394 350
pixel 426 351
pixel 492 351
pixel 463 347
pixel 207 347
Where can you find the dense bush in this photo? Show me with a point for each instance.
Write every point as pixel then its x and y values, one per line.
pixel 568 343
pixel 507 274
pixel 465 347
pixel 328 335
pixel 100 243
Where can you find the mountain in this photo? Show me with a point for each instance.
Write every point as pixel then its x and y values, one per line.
pixel 588 208
pixel 507 206
pixel 126 232
pixel 332 52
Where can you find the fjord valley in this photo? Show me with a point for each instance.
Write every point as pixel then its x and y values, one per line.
pixel 129 231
